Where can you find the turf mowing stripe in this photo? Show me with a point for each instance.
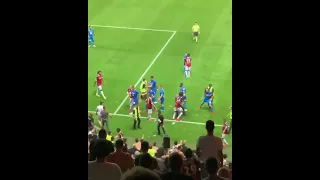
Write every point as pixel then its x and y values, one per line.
pixel 146 71
pixel 132 28
pixel 169 120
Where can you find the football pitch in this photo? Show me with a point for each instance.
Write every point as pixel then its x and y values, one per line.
pixel 137 39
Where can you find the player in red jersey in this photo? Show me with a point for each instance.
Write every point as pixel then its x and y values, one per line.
pixel 187 62
pixel 98 82
pixel 224 133
pixel 130 97
pixel 191 166
pixel 178 107
pixel 150 105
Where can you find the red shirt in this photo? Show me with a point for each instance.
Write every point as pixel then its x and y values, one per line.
pixel 99 80
pixel 188 61
pixel 129 93
pixel 178 101
pixel 149 103
pixel 225 128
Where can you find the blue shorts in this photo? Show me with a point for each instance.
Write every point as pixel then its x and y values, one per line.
pixel 161 100
pixel 91 39
pixel 207 101
pixel 135 101
pixel 154 91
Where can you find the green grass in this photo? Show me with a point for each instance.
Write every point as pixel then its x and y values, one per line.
pixel 124 55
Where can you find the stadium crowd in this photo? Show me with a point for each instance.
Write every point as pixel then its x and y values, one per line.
pixel 111 158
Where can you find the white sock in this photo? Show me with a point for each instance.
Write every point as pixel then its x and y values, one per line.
pixel 180 115
pixel 174 115
pixel 101 92
pixel 225 141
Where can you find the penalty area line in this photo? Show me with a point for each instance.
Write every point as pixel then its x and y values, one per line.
pixel 146 71
pixel 133 28
pixel 168 120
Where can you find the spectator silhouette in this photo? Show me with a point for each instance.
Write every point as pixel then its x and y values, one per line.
pixel 140 173
pixel 175 164
pixel 102 134
pixel 122 159
pixel 212 168
pixel 100 169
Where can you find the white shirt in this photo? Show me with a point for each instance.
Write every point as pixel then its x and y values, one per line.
pixel 103 171
pixel 209 146
pixel 99 109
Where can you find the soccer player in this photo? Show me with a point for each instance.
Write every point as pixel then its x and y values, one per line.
pixel 224 133
pixel 187 66
pixel 184 59
pixel 153 85
pixel 130 97
pixel 184 90
pixel 161 98
pixel 150 105
pixel 98 82
pixel 135 96
pixel 195 31
pixel 178 107
pixel 91 37
pixel 207 99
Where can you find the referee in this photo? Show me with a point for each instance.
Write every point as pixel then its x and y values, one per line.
pixel 160 123
pixel 136 116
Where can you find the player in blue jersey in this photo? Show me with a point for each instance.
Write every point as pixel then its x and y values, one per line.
pixel 153 85
pixel 161 98
pixel 208 99
pixel 184 91
pixel 135 96
pixel 91 37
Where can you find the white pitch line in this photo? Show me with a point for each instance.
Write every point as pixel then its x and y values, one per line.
pixel 169 120
pixel 132 28
pixel 146 71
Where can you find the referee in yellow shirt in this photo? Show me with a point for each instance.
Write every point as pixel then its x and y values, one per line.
pixel 195 31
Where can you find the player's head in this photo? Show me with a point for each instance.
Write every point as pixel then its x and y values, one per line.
pixel 195 23
pixel 151 77
pixel 188 54
pixel 99 72
pixel 101 102
pixel 118 129
pixel 89 27
pixel 132 88
pixel 160 86
pixel 181 84
pixel 207 89
pixel 224 121
pixel 230 108
pixel 181 94
pixel 210 85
